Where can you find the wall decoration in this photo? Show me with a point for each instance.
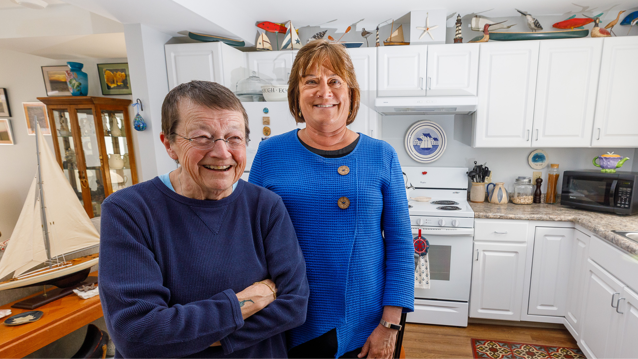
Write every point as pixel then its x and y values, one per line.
pixel 425 141
pixel 611 24
pixel 6 136
pixel 427 26
pixel 114 79
pixel 5 111
pixel 538 159
pixel 33 111
pixel 458 35
pixel 77 80
pixel 55 80
pixel 532 22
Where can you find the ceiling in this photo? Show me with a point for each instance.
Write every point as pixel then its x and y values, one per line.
pixel 8 4
pixel 96 46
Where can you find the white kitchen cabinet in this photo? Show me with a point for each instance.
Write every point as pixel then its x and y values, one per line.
pixel 575 286
pixel 213 61
pixel 626 342
pixel 364 61
pixel 550 271
pixel 452 70
pixel 401 70
pixel 271 66
pixel 600 319
pixel 497 280
pixel 616 119
pixel 566 88
pixel 506 91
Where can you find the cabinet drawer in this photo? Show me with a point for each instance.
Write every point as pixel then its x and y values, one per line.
pixel 500 230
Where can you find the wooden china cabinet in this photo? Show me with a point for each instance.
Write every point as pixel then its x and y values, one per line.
pixel 93 145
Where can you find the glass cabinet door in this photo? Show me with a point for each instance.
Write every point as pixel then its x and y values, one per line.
pixel 67 148
pixel 94 172
pixel 117 149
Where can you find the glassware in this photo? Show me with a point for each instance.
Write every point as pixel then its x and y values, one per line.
pixel 249 89
pixel 552 183
pixel 523 191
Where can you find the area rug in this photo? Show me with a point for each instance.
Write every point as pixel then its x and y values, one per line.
pixel 493 349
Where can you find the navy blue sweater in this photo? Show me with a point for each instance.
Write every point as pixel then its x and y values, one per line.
pixel 170 267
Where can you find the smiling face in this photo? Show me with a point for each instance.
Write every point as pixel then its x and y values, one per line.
pixel 208 173
pixel 324 98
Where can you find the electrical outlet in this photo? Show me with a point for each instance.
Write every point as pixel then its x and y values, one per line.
pixel 537 174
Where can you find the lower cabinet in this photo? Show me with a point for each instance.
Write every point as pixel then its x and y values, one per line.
pixel 576 283
pixel 627 336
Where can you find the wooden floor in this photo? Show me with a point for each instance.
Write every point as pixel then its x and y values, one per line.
pixel 432 341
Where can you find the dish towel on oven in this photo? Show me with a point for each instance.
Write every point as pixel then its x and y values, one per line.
pixel 421 272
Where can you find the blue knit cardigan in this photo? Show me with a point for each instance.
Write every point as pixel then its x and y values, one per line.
pixel 358 259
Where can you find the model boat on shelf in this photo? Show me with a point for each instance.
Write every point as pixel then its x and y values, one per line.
pixel 396 37
pixel 52 226
pixel 263 44
pixel 545 35
pixel 291 41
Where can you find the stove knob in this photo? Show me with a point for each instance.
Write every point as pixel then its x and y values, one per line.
pixel 455 223
pixel 441 222
pixel 419 222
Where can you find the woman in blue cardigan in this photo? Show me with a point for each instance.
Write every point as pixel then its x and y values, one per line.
pixel 346 198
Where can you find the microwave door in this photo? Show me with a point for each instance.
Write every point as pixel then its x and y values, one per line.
pixel 595 191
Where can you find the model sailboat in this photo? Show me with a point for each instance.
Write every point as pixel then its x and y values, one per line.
pixel 396 37
pixel 53 224
pixel 291 41
pixel 263 43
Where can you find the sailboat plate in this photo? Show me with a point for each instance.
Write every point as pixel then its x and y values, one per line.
pixel 425 141
pixel 77 265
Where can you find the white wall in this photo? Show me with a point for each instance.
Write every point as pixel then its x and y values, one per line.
pixel 505 163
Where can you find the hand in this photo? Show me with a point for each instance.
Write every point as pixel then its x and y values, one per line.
pixel 380 343
pixel 256 297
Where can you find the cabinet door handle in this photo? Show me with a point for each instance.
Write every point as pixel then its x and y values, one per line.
pixel 537 134
pixel 429 83
pixel 598 139
pixel 527 135
pixel 613 296
pixel 422 83
pixel 500 232
pixel 477 255
pixel 618 306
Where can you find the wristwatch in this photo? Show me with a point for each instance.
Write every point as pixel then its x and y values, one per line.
pixel 390 325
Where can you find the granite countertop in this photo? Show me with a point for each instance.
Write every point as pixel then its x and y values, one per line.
pixel 598 223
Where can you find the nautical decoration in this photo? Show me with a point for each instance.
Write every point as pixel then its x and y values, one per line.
pixel 609 162
pixel 24 318
pixel 396 37
pixel 478 23
pixel 458 35
pixel 544 35
pixel 486 33
pixel 263 44
pixel 532 22
pixel 365 34
pixel 138 121
pixel 613 23
pixel 538 159
pixel 421 262
pixel 425 141
pixel 352 44
pixel 213 38
pixel 318 36
pixel 575 22
pixel 291 41
pixel 597 31
pixel 377 43
pixel 427 28
pixel 52 224
pixel 272 27
pixel 630 18
pixel 77 80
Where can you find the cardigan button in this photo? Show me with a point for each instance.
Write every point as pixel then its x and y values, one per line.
pixel 343 202
pixel 343 170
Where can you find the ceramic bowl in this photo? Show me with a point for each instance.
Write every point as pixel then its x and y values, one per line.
pixel 273 93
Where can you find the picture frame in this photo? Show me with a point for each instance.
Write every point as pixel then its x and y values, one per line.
pixel 55 80
pixel 5 110
pixel 6 136
pixel 114 79
pixel 33 110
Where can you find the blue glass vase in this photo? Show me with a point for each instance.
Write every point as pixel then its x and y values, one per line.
pixel 78 82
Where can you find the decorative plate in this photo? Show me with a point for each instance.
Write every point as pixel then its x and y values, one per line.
pixel 23 318
pixel 425 141
pixel 538 159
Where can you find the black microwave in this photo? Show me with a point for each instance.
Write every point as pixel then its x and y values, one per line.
pixel 605 192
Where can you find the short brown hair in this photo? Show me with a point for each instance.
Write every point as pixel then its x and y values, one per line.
pixel 203 93
pixel 316 53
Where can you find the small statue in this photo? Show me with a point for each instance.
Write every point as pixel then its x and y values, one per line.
pixel 458 36
pixel 64 126
pixel 537 193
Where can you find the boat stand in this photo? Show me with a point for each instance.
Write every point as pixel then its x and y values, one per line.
pixel 53 294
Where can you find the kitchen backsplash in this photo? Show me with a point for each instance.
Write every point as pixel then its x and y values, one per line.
pixel 505 163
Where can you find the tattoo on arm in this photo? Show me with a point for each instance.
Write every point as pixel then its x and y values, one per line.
pixel 241 304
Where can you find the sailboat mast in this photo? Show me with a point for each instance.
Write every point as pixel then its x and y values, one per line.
pixel 43 213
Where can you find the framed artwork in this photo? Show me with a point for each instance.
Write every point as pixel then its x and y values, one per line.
pixel 55 80
pixel 4 103
pixel 36 111
pixel 114 79
pixel 6 137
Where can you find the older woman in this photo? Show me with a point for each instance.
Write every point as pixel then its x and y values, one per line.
pixel 192 261
pixel 345 194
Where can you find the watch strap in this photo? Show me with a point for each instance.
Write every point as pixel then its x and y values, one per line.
pixel 390 325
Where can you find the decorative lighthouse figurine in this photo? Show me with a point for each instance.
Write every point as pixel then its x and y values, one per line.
pixel 458 37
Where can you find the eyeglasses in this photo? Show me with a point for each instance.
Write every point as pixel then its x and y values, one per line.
pixel 204 142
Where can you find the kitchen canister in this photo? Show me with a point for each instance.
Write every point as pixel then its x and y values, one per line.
pixel 477 192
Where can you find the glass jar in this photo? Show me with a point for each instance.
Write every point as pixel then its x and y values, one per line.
pixel 552 183
pixel 249 90
pixel 523 191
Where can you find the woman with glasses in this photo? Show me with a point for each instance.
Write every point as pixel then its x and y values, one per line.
pixel 346 197
pixel 197 262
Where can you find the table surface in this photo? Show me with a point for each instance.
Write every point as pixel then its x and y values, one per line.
pixel 60 318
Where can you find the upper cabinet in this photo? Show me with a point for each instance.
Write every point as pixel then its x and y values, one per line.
pixel 507 86
pixel 272 66
pixel 212 61
pixel 401 70
pixel 616 119
pixel 364 61
pixel 566 92
pixel 452 70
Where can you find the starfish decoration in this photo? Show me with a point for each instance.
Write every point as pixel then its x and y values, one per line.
pixel 427 28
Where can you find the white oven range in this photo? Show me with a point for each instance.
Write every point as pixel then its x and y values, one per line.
pixel 447 222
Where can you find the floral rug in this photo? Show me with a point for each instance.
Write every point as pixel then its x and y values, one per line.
pixel 507 350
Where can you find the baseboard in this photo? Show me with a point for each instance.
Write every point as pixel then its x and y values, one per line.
pixel 516 323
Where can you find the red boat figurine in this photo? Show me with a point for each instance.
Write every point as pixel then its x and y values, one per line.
pixel 272 27
pixel 575 22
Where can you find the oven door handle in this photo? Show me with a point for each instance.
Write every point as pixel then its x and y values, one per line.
pixel 612 193
pixel 439 232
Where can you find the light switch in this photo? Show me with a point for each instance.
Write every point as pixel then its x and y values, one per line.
pixel 537 174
